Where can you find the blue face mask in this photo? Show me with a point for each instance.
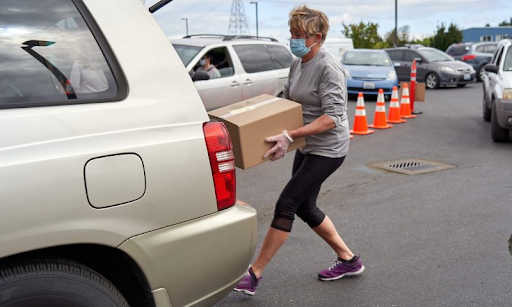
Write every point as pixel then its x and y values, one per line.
pixel 202 62
pixel 298 47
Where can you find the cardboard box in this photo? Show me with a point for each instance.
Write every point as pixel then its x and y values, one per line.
pixel 419 94
pixel 250 121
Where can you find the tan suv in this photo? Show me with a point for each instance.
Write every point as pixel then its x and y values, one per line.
pixel 115 189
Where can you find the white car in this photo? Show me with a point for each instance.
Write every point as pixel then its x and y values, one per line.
pixel 248 66
pixel 115 188
pixel 497 85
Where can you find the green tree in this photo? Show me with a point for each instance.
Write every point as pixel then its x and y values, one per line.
pixel 505 23
pixel 403 36
pixel 363 35
pixel 444 37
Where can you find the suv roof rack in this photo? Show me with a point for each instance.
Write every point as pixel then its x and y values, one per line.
pixel 231 37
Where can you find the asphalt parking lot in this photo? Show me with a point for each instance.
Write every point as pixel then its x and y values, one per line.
pixel 436 239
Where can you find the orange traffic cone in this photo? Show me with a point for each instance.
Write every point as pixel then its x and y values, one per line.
pixel 394 109
pixel 360 124
pixel 405 105
pixel 379 120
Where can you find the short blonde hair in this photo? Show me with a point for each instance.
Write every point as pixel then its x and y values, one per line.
pixel 309 20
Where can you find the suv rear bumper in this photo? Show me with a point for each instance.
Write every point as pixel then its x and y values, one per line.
pixel 198 262
pixel 504 112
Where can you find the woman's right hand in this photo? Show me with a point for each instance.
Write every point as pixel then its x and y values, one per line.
pixel 282 141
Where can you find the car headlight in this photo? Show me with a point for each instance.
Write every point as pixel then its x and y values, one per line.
pixel 507 94
pixel 391 75
pixel 447 69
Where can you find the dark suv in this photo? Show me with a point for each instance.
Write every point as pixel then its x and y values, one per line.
pixel 475 54
pixel 434 67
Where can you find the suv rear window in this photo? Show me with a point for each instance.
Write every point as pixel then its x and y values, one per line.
pixel 48 56
pixel 458 50
pixel 254 58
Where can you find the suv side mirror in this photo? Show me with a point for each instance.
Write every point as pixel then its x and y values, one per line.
pixel 200 76
pixel 418 60
pixel 491 68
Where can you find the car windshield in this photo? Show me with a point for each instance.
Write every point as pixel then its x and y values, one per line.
pixel 367 59
pixel 186 53
pixel 435 55
pixel 507 65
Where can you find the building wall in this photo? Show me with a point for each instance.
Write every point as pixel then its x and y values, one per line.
pixel 494 34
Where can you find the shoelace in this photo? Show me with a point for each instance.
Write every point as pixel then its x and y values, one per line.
pixel 335 264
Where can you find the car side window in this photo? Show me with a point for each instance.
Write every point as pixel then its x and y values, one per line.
pixel 281 56
pixel 481 48
pixel 409 56
pixel 255 58
pixel 49 56
pixel 221 61
pixel 497 60
pixel 490 49
pixel 396 55
pixel 507 64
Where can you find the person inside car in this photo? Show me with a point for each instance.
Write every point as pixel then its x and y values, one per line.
pixel 207 66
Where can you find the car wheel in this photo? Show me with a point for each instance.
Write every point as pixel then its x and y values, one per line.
pixel 498 134
pixel 480 73
pixel 432 80
pixel 486 111
pixel 55 282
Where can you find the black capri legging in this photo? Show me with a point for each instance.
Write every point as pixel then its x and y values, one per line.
pixel 300 194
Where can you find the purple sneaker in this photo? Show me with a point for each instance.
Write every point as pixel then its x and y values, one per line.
pixel 341 268
pixel 248 283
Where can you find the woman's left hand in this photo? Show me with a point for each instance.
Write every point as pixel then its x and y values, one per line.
pixel 282 143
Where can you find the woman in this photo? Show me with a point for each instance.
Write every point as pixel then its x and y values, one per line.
pixel 316 81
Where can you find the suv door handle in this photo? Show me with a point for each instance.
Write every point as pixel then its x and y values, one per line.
pixel 248 82
pixel 234 83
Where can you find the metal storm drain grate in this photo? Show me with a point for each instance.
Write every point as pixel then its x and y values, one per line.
pixel 412 166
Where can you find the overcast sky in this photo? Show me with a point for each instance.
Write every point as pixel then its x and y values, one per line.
pixel 422 16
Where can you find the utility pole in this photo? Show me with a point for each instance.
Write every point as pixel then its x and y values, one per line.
pixel 186 23
pixel 396 23
pixel 256 2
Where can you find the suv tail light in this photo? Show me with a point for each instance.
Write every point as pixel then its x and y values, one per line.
pixel 468 57
pixel 222 161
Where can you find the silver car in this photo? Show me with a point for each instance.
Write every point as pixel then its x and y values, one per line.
pixel 434 67
pixel 248 66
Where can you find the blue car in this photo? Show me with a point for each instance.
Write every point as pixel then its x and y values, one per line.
pixel 368 71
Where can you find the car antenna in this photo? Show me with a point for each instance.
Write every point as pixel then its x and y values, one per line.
pixel 160 4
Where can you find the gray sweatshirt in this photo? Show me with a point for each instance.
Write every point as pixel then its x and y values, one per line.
pixel 320 86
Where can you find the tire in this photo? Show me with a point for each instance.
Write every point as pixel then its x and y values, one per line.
pixel 432 81
pixel 461 85
pixel 480 73
pixel 486 112
pixel 498 134
pixel 48 282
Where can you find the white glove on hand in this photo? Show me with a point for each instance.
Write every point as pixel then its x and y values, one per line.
pixel 282 141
